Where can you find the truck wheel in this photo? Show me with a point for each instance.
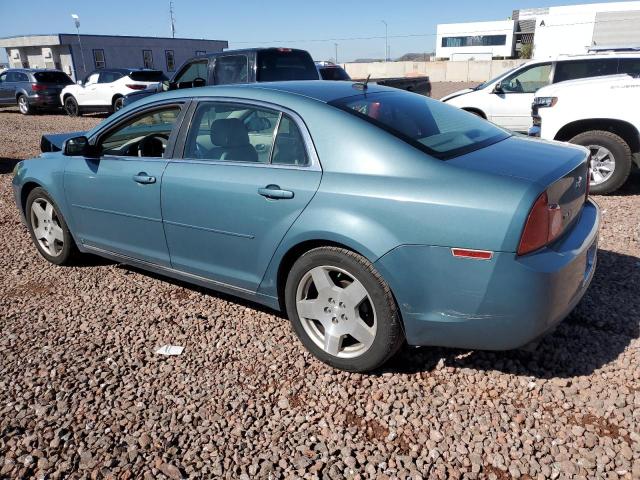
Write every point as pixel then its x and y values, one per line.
pixel 23 105
pixel 610 160
pixel 71 106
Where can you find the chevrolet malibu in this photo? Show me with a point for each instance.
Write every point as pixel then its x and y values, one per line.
pixel 370 216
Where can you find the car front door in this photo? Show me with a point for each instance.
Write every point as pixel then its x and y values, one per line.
pixel 87 95
pixel 115 196
pixel 225 206
pixel 510 103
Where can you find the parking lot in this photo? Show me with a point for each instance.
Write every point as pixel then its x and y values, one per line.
pixel 82 389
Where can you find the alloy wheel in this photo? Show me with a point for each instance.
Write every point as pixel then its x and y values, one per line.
pixel 336 311
pixel 23 105
pixel 602 164
pixel 46 227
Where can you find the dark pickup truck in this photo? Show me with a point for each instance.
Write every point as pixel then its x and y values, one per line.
pixel 331 71
pixel 238 66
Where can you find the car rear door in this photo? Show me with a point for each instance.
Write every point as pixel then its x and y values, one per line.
pixel 115 197
pixel 5 97
pixel 226 207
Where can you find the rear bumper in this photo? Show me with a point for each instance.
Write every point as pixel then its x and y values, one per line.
pixel 500 304
pixel 45 101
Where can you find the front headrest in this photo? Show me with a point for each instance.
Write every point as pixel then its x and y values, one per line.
pixel 229 132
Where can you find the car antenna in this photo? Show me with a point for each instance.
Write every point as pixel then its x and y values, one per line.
pixel 362 85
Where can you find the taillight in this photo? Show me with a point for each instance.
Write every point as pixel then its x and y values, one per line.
pixel 136 86
pixel 588 189
pixel 36 87
pixel 544 225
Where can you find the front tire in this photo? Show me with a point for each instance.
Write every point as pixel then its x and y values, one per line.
pixel 611 160
pixel 24 106
pixel 71 106
pixel 48 229
pixel 342 310
pixel 118 103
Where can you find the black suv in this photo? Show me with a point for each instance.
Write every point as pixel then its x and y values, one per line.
pixel 238 66
pixel 32 89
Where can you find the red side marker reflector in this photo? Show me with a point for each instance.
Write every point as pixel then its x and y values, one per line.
pixel 476 254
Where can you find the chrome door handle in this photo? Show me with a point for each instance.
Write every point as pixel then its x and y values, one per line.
pixel 274 191
pixel 143 178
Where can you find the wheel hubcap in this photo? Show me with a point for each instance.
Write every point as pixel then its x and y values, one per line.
pixel 46 227
pixel 336 311
pixel 602 165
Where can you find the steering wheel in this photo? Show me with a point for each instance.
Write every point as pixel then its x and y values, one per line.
pixel 518 85
pixel 152 143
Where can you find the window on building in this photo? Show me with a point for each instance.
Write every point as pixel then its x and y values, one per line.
pixel 147 58
pixel 475 41
pixel 231 69
pixel 200 52
pixel 170 60
pixel 98 59
pixel 572 70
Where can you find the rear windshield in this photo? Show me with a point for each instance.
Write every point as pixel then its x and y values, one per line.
pixel 434 127
pixel 148 76
pixel 284 64
pixel 334 73
pixel 60 78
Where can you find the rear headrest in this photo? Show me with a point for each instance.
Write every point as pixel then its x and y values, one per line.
pixel 229 132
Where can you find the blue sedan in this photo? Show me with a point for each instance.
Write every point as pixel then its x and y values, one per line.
pixel 370 216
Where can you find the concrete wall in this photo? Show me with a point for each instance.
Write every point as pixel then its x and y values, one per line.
pixel 471 71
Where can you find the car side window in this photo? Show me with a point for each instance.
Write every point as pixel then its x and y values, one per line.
pixel 145 135
pixel 192 75
pixel 232 133
pixel 289 147
pixel 231 69
pixel 528 80
pixel 108 77
pixel 575 69
pixel 91 79
pixel 12 77
pixel 629 65
pixel 22 77
pixel 3 77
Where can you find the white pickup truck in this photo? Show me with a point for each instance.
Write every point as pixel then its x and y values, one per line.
pixel 599 113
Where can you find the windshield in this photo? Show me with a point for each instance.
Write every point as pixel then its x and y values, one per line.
pixel 334 73
pixel 434 127
pixel 495 79
pixel 285 64
pixel 53 77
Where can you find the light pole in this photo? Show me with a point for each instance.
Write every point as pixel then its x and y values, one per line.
pixel 386 40
pixel 76 20
pixel 336 45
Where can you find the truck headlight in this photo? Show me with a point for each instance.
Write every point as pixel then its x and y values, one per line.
pixel 545 102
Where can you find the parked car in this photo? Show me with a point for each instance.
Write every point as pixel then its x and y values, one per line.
pixel 368 214
pixel 506 100
pixel 249 65
pixel 608 124
pixel 32 89
pixel 331 71
pixel 103 90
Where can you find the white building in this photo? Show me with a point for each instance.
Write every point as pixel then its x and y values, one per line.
pixel 551 31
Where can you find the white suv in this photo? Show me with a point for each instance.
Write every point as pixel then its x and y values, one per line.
pixel 598 113
pixel 506 100
pixel 104 90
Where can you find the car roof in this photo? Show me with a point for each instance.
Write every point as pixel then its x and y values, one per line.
pixel 32 70
pixel 584 56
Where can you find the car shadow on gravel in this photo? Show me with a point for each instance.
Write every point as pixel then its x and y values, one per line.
pixel 630 187
pixel 600 328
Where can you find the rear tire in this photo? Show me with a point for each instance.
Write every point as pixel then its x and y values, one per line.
pixel 23 105
pixel 352 321
pixel 71 106
pixel 608 151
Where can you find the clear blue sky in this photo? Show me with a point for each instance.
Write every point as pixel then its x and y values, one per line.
pixel 258 23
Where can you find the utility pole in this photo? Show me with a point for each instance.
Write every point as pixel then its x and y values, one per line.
pixel 76 20
pixel 336 45
pixel 173 20
pixel 386 41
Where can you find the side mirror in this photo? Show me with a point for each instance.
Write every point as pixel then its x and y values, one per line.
pixel 164 86
pixel 78 147
pixel 498 88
